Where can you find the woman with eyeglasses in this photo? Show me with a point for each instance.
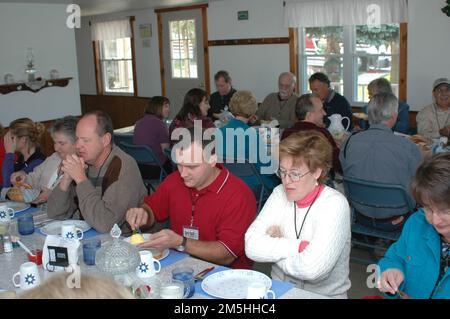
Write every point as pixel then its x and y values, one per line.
pixel 304 227
pixel 418 263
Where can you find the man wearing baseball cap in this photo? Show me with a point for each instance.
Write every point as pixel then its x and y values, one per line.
pixel 434 120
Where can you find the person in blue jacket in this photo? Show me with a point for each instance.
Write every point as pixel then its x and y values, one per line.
pixel 382 85
pixel 418 263
pixel 240 141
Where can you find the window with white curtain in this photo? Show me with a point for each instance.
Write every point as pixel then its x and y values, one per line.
pixel 351 56
pixel 114 40
pixel 352 41
pixel 116 65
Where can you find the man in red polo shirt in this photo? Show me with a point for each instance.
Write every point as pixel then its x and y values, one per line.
pixel 209 209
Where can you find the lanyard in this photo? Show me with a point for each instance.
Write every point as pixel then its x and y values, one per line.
pixel 193 204
pixel 306 215
pixel 100 170
pixel 437 119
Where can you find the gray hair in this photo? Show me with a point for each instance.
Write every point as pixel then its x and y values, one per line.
pixel 381 107
pixel 303 106
pixel 289 74
pixel 380 85
pixel 66 125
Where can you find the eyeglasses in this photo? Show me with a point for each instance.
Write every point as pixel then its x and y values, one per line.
pixel 440 213
pixel 294 176
pixel 443 89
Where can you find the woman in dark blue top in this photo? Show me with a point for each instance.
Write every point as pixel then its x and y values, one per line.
pixel 23 139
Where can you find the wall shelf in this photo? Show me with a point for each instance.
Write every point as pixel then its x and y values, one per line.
pixel 38 85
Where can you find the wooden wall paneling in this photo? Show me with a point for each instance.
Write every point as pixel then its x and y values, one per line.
pixel 46 140
pixel 123 110
pixel 412 119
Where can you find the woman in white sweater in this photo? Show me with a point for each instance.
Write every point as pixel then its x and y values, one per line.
pixel 304 227
pixel 47 175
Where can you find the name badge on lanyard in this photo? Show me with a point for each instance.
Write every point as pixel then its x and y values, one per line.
pixel 191 232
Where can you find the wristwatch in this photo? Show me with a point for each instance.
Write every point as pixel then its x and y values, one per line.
pixel 182 247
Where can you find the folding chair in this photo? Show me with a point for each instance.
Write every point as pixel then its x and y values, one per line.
pixel 127 138
pixel 144 156
pixel 374 199
pixel 168 153
pixel 243 168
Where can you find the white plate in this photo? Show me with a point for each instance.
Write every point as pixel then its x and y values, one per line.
pixel 233 283
pixel 17 206
pixel 147 237
pixel 54 228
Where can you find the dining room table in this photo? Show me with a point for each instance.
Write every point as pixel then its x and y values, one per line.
pixel 10 262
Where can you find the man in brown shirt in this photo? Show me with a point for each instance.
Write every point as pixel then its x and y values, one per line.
pixel 100 183
pixel 280 105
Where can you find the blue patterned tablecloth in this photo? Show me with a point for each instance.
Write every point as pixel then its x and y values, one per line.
pixel 172 258
pixel 31 210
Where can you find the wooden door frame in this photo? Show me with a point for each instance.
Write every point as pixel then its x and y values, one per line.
pixel 162 70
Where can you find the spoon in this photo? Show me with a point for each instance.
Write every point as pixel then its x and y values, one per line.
pixel 25 248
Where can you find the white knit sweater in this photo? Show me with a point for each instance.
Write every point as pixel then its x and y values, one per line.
pixel 323 266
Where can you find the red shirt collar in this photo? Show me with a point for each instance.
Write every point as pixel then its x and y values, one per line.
pixel 217 184
pixel 308 199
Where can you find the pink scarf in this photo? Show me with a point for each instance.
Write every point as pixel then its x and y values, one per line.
pixel 307 200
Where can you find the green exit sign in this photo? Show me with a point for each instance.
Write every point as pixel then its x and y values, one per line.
pixel 242 15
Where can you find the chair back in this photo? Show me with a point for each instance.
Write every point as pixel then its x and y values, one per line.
pixel 243 168
pixel 143 155
pixel 377 200
pixel 127 138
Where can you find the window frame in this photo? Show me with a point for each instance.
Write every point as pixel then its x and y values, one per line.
pixel 194 47
pixel 350 59
pixel 99 72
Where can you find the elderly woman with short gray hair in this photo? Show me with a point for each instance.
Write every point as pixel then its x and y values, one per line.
pixel 243 106
pixel 47 175
pixel 381 85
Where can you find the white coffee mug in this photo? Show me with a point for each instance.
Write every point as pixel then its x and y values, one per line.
pixel 258 290
pixel 173 290
pixel 146 268
pixel 69 231
pixel 29 276
pixel 6 213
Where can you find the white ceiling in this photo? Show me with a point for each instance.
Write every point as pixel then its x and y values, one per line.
pixel 94 7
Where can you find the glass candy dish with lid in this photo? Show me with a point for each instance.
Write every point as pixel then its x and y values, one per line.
pixel 117 257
